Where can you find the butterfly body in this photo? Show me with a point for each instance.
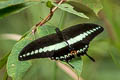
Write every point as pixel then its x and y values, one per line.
pixel 62 45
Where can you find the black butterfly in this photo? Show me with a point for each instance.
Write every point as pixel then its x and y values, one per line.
pixel 62 45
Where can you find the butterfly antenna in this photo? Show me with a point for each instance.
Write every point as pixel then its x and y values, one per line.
pixel 90 57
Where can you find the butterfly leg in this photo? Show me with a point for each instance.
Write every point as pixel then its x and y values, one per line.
pixel 84 53
pixel 90 57
pixel 69 64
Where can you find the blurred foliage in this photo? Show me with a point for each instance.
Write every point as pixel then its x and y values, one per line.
pixel 3 61
pixel 105 48
pixel 12 9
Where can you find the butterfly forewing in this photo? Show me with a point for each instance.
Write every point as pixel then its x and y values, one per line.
pixel 82 31
pixel 52 46
pixel 39 48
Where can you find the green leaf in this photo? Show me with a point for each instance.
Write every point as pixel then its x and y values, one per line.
pixel 83 8
pixel 70 9
pixel 95 5
pixel 5 4
pixel 12 9
pixel 17 69
pixel 3 61
pixel 77 63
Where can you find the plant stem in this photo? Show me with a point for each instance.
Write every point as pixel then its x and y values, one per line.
pixel 5 77
pixel 55 71
pixel 47 18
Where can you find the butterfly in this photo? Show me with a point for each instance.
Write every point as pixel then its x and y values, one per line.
pixel 63 45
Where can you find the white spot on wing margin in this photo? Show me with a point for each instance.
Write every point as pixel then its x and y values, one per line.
pixel 63 44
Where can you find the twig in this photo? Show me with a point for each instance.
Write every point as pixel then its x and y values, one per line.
pixel 69 71
pixel 47 18
pixel 8 36
pixel 108 26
